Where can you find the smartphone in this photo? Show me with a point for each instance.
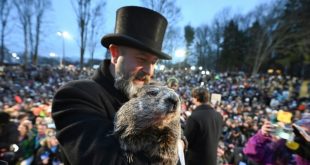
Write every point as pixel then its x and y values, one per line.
pixel 283 132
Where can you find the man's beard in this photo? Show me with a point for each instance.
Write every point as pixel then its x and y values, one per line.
pixel 125 84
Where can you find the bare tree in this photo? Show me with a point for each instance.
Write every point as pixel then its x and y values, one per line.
pixel 265 38
pixel 86 20
pixel 171 42
pixel 165 7
pixel 173 15
pixel 31 15
pixel 24 10
pixel 40 8
pixel 5 9
pixel 96 23
pixel 273 34
pixel 82 9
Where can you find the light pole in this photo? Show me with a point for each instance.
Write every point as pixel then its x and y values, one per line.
pixel 63 35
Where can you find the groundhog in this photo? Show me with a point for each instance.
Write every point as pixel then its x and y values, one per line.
pixel 149 123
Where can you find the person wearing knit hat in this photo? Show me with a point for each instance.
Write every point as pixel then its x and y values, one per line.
pixel 173 83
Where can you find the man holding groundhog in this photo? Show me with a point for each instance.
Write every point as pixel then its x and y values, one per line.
pixel 84 110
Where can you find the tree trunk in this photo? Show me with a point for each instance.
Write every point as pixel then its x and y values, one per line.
pixel 2 45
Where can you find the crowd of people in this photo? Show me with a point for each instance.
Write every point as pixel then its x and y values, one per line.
pixel 27 93
pixel 27 129
pixel 246 103
pixel 38 102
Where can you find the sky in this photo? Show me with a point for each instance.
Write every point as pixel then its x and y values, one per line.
pixel 62 18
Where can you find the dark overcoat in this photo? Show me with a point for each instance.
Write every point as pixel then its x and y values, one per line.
pixel 203 130
pixel 83 112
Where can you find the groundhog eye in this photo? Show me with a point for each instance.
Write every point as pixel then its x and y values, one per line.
pixel 153 93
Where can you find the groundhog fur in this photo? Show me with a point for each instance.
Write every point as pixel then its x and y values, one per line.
pixel 149 123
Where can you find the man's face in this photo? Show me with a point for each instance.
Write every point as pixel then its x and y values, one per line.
pixel 133 69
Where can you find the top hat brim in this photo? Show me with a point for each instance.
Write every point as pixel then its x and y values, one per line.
pixel 125 40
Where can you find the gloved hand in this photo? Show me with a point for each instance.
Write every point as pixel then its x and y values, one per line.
pixel 301 145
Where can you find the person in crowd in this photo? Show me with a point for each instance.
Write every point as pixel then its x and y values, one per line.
pixel 235 138
pixel 173 83
pixel 222 156
pixel 49 153
pixel 26 143
pixel 265 147
pixel 84 110
pixel 203 130
pixel 40 133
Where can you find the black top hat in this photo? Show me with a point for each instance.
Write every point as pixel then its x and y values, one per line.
pixel 140 28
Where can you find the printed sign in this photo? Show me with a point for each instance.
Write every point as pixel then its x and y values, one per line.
pixel 215 98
